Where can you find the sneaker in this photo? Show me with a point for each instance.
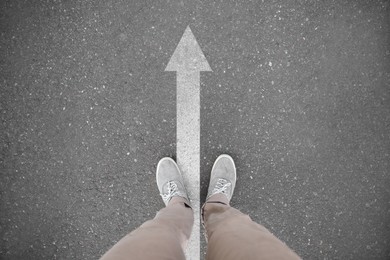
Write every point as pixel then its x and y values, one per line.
pixel 169 180
pixel 223 177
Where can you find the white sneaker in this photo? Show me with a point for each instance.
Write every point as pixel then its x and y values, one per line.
pixel 169 180
pixel 223 177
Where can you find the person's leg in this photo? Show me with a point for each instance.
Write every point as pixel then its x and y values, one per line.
pixel 230 233
pixel 165 236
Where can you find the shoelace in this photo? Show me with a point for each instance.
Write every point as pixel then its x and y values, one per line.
pixel 172 191
pixel 221 186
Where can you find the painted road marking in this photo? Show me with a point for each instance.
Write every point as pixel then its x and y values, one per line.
pixel 188 61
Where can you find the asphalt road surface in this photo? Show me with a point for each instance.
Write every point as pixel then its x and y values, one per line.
pixel 299 96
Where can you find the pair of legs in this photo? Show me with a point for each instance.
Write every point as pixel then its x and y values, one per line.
pixel 231 234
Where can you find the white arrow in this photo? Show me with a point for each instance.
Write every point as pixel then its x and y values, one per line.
pixel 188 61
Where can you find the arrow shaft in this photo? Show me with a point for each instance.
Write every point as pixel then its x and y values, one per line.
pixel 188 146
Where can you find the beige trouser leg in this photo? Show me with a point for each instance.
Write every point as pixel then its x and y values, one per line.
pixel 233 235
pixel 163 237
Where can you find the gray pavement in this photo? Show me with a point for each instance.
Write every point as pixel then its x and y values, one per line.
pixel 299 96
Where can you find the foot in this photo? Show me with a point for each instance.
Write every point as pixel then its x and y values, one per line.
pixel 169 180
pixel 223 177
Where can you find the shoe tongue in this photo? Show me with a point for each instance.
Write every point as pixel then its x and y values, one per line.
pixel 170 185
pixel 222 180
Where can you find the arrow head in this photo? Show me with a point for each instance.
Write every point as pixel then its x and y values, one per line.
pixel 188 56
